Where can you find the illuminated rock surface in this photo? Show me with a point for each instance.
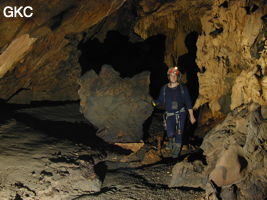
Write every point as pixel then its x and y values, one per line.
pixel 117 107
pixel 46 66
pixel 39 61
pixel 235 153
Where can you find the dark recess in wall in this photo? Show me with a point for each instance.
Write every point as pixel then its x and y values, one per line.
pixel 126 57
pixel 187 63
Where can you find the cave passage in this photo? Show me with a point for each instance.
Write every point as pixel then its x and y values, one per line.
pixel 127 57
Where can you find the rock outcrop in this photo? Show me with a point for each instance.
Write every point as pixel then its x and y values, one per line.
pixel 235 151
pixel 117 107
pixel 174 19
pixel 39 56
pixel 232 55
pixel 186 174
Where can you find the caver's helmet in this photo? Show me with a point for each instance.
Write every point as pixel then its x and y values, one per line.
pixel 173 70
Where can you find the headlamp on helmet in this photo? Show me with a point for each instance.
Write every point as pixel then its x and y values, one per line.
pixel 173 70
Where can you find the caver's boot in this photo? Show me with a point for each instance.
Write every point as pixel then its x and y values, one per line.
pixel 169 145
pixel 176 149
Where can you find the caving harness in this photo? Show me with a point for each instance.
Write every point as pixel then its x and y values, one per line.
pixel 177 119
pixel 176 113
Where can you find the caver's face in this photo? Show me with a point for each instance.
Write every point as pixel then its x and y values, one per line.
pixel 173 77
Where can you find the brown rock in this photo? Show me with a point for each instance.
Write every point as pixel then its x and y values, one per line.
pixel 134 147
pixel 235 153
pixel 151 157
pixel 174 19
pixel 118 107
pixel 226 56
pixel 39 54
pixel 229 168
pixel 185 174
pixel 264 112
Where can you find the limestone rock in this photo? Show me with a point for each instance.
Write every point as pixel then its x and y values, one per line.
pixel 134 147
pixel 236 152
pixel 229 167
pixel 231 55
pixel 174 19
pixel 117 107
pixel 152 156
pixel 185 174
pixel 264 112
pixel 146 155
pixel 39 56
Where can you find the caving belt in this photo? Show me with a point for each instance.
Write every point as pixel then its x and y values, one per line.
pixel 177 119
pixel 176 113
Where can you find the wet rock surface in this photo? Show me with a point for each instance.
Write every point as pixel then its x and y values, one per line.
pixel 117 107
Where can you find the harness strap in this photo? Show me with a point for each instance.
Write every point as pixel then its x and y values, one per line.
pixel 168 114
pixel 177 119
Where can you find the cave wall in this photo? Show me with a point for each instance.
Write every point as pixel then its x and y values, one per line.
pixel 231 47
pixel 232 55
pixel 174 19
pixel 38 55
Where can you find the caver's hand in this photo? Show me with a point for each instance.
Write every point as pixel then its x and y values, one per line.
pixel 191 116
pixel 192 119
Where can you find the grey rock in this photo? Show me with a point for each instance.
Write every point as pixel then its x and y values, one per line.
pixel 117 107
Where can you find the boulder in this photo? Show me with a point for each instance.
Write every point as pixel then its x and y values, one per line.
pixel 117 107
pixel 186 174
pixel 236 154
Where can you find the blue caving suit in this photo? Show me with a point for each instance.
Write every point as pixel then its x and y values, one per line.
pixel 181 96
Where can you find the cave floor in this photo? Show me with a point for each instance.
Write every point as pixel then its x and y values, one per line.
pixel 35 166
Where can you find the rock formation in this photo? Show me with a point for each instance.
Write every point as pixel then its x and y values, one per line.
pixel 232 55
pixel 174 19
pixel 186 174
pixel 236 157
pixel 39 61
pixel 39 56
pixel 236 152
pixel 117 107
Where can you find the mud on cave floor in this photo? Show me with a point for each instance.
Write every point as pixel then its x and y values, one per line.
pixel 34 165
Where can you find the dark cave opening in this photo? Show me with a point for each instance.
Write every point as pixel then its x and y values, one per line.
pixel 188 65
pixel 132 58
pixel 127 57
